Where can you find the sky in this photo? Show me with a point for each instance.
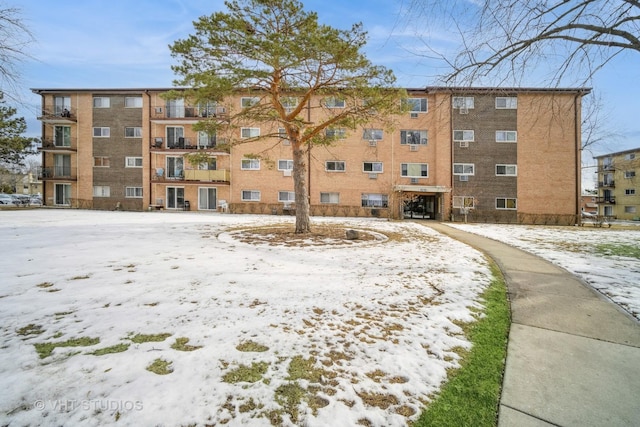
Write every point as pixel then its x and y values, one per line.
pixel 124 44
pixel 381 317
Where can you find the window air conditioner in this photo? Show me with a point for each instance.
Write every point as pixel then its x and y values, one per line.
pixel 413 147
pixel 464 110
pixel 373 176
pixel 414 115
pixel 286 172
pixel 373 143
pixel 464 178
pixel 464 144
pixel 158 110
pixel 414 180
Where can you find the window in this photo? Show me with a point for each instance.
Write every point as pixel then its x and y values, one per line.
pixel 506 136
pixel 289 103
pixel 101 132
pixel 175 167
pixel 334 102
pixel 62 136
pixel 249 101
pixel 414 170
pixel 132 102
pixel 101 162
pixel 335 166
pixel 630 156
pixel 463 135
pixel 416 105
pixel 506 203
pixel 629 174
pixel 630 192
pixel 133 162
pixel 250 164
pixel 630 209
pixel 210 164
pixel 285 165
pixel 286 196
pixel 463 202
pixel 101 191
pixel 463 169
pixel 413 137
pixel 249 132
pixel 101 102
pixel 372 134
pixel 372 167
pixel 507 170
pixel 506 102
pixel 251 195
pixel 463 102
pixel 335 133
pixel 133 192
pixel 133 132
pixel 375 200
pixel 330 198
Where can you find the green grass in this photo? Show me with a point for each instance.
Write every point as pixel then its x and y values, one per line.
pixel 118 348
pixel 46 348
pixel 472 394
pixel 181 345
pixel 608 249
pixel 142 338
pixel 160 367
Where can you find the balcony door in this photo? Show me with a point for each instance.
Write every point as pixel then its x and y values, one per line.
pixel 62 165
pixel 175 167
pixel 61 104
pixel 173 136
pixel 207 198
pixel 175 197
pixel 62 194
pixel 62 136
pixel 175 108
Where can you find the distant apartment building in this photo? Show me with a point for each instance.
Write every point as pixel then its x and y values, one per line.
pixel 619 185
pixel 484 154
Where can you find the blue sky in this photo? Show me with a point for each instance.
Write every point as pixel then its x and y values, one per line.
pixel 124 43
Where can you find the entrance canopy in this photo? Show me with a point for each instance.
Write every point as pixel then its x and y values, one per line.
pixel 423 188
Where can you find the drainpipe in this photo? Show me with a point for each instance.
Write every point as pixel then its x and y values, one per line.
pixel 309 157
pixel 146 92
pixel 577 100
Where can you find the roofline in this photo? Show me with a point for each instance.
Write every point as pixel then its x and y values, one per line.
pixel 631 150
pixel 427 89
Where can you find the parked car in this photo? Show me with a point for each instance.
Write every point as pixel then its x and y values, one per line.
pixel 588 214
pixel 35 201
pixel 6 199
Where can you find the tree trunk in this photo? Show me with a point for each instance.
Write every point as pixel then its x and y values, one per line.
pixel 300 188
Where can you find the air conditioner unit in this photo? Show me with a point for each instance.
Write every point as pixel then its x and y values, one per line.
pixel 464 144
pixel 158 110
pixel 464 110
pixel 414 115
pixel 373 176
pixel 221 110
pixel 464 178
pixel 286 172
pixel 413 147
pixel 286 142
pixel 373 143
pixel 414 180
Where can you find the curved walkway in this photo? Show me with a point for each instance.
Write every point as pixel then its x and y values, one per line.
pixel 573 357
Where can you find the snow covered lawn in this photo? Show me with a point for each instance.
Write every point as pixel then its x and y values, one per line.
pixel 587 252
pixel 173 319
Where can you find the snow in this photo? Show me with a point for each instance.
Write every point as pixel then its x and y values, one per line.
pixel 579 250
pixel 378 317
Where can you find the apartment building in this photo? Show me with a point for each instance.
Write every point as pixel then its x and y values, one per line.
pixel 618 184
pixel 482 154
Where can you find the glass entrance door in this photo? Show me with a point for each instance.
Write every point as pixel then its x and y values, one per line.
pixel 420 207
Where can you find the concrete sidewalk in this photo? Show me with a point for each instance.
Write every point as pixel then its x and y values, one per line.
pixel 573 357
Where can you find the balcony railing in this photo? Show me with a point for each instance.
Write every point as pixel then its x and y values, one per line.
pixel 50 144
pixel 56 172
pixel 57 114
pixel 606 199
pixel 606 184
pixel 187 112
pixel 220 175
pixel 187 143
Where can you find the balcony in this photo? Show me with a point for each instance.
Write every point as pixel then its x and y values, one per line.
pixel 189 144
pixel 606 184
pixel 62 173
pixel 50 144
pixel 606 200
pixel 171 112
pixel 193 175
pixel 56 114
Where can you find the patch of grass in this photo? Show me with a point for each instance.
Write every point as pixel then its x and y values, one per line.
pixel 86 276
pixel 30 329
pixel 251 346
pixel 611 249
pixel 160 367
pixel 142 338
pixel 472 394
pixel 289 397
pixel 244 373
pixel 301 368
pixel 181 345
pixel 118 348
pixel 46 348
pixel 45 285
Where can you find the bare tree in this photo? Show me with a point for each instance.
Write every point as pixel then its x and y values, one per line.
pixel 507 38
pixel 14 38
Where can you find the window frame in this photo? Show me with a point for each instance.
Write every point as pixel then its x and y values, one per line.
pixel 506 166
pixel 384 200
pixel 104 164
pixel 249 101
pixel 463 165
pixel 251 130
pixel 507 201
pixel 457 105
pixel 133 190
pixel 102 129
pixel 423 102
pixel 505 136
pixel 465 134
pixel 104 190
pixel 334 101
pixel 136 98
pixel 336 163
pixel 404 134
pixel 137 131
pixel 289 162
pixel 510 102
pixel 373 134
pixel 251 194
pixel 251 164
pixel 134 160
pixel 405 173
pixel 101 99
pixel 629 191
pixel 464 200
pixel 291 196
pixel 630 174
pixel 330 196
pixel 336 133
pixel 373 169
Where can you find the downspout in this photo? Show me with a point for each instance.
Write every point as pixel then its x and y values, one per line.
pixel 146 92
pixel 451 149
pixel 309 157
pixel 578 143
